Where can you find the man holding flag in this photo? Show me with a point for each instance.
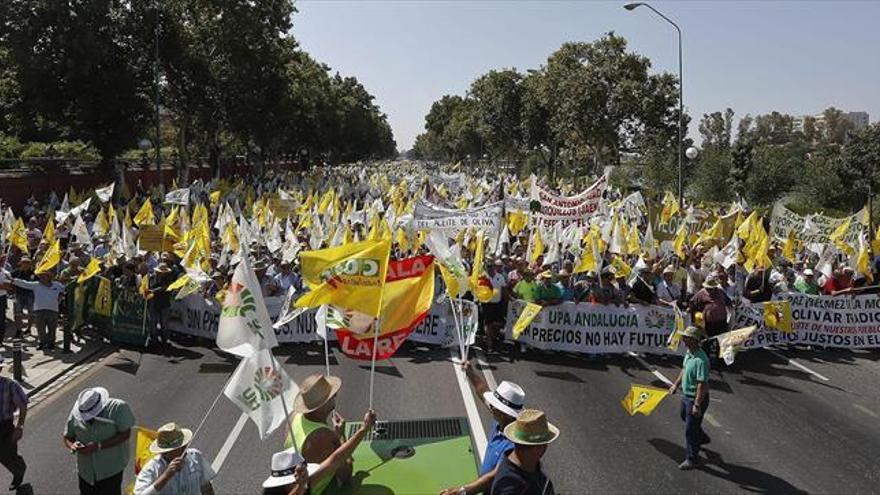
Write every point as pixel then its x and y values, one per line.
pixel 46 292
pixel 694 381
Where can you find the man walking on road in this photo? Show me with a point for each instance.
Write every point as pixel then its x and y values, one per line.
pixel 12 398
pixel 694 381
pixel 97 431
pixel 520 472
pixel 504 403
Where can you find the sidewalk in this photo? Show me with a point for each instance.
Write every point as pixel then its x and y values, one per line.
pixel 41 368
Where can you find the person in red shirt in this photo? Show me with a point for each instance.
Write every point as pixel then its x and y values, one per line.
pixel 840 282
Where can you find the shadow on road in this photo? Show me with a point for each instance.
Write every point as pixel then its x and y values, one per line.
pixel 746 478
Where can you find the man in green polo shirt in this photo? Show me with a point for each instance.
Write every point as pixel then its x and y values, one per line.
pixel 97 432
pixel 694 381
pixel 526 289
pixel 547 293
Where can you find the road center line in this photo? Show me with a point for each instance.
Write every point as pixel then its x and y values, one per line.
pixel 796 364
pixel 865 410
pixel 712 421
pixel 229 443
pixel 650 368
pixel 476 424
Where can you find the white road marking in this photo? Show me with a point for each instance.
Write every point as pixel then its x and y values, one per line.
pixel 865 410
pixel 229 443
pixel 650 368
pixel 476 424
pixel 712 421
pixel 796 364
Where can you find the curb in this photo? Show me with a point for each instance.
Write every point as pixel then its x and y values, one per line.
pixel 39 388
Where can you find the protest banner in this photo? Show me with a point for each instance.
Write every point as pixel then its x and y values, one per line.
pixel 428 216
pixel 198 316
pixel 549 208
pixel 282 208
pixel 828 321
pixel 128 317
pixel 813 229
pixel 592 328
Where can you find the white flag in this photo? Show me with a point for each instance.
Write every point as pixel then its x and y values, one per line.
pixel 288 311
pixel 256 388
pixel 321 321
pixel 105 193
pixel 178 197
pixel 81 232
pixel 245 326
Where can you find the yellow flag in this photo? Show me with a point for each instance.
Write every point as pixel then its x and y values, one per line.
pixel 92 269
pixel 449 280
pixel 745 228
pixel 142 454
pixel 49 231
pixel 633 246
pixel 145 215
pixel 516 221
pixel 477 267
pixel 675 337
pixel 18 236
pixel 177 284
pixel 837 237
pixel 777 314
pixel 525 318
pixel 788 248
pixel 101 223
pixel 620 267
pixel 51 258
pixel 537 246
pixel 670 208
pixel 679 243
pixel 588 258
pixel 214 197
pixel 103 299
pixel 144 287
pixel 402 240
pixel 350 276
pixel 347 235
pixel 863 262
pixel 643 399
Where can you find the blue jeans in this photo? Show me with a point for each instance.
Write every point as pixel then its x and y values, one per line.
pixel 693 426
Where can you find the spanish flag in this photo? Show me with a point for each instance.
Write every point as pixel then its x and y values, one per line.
pixel 406 299
pixel 349 276
pixel 642 399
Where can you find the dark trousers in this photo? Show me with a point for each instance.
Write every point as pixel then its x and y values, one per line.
pixel 2 317
pixel 693 426
pixel 9 455
pixel 106 486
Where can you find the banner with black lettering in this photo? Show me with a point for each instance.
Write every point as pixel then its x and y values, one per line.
pixel 594 328
pixel 428 216
pixel 827 321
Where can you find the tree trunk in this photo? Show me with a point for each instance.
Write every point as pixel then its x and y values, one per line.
pixel 214 155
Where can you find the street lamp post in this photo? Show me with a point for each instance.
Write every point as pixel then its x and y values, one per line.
pixel 631 6
pixel 156 96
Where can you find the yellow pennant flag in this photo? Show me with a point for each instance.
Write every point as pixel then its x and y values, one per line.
pixel 537 246
pixel 144 287
pixel 620 267
pixel 863 262
pixel 516 221
pixel 525 318
pixel 789 247
pixel 402 240
pixel 49 232
pixel 142 454
pixel 214 197
pixel 837 237
pixel 104 299
pixel 588 258
pixel 349 276
pixel 51 258
pixel 670 208
pixel 177 284
pixel 101 223
pixel 18 236
pixel 643 399
pixel 92 269
pixel 145 215
pixel 674 339
pixel 777 314
pixel 680 238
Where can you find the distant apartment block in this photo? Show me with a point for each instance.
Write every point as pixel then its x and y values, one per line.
pixel 859 120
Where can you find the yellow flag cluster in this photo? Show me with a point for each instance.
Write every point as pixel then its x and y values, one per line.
pixel 50 259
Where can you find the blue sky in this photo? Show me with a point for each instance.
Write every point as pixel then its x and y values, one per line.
pixel 797 57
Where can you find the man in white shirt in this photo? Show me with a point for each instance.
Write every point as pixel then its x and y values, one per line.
pixel 667 290
pixel 176 469
pixel 46 294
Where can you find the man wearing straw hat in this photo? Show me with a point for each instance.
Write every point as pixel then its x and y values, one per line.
pixel 520 472
pixel 694 380
pixel 97 431
pixel 312 436
pixel 176 469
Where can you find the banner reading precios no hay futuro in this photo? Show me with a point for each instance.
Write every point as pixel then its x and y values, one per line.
pixel 594 328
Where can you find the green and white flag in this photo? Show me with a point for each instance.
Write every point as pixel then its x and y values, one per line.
pixel 256 388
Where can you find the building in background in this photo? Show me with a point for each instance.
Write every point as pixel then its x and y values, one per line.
pixel 859 120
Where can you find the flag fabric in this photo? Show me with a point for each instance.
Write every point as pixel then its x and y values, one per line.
pixel 256 388
pixel 145 215
pixel 142 454
pixel 674 339
pixel 178 197
pixel 92 269
pixel 350 276
pixel 50 259
pixel 450 264
pixel 49 232
pixel 643 399
pixel 406 299
pixel 730 343
pixel 105 193
pixel 244 326
pixel 18 236
pixel 777 314
pixel 144 287
pixel 528 314
pixel 104 297
pixel 289 312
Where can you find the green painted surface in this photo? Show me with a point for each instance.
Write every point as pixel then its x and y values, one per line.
pixel 437 463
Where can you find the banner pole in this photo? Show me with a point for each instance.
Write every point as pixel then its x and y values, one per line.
pixel 326 355
pixel 373 361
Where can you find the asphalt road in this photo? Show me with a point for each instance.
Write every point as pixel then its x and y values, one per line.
pixel 775 427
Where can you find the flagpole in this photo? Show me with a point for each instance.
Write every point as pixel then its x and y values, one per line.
pixel 378 322
pixel 326 354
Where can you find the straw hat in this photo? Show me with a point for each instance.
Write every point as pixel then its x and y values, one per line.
pixel 711 283
pixel 315 391
pixel 170 437
pixel 692 332
pixel 531 428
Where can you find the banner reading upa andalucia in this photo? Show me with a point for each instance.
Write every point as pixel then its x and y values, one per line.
pixel 828 321
pixel 593 328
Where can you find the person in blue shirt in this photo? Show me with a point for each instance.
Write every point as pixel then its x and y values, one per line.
pixel 694 381
pixel 504 403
